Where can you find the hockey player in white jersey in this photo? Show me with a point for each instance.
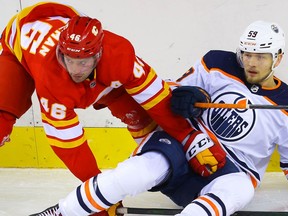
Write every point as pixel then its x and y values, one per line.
pixel 248 136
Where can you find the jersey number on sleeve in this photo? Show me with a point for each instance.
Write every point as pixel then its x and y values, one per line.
pixel 56 110
pixel 138 68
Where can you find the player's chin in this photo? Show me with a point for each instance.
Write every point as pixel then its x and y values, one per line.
pixel 78 79
pixel 252 79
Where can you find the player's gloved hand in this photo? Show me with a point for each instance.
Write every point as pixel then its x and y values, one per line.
pixel 7 121
pixel 204 156
pixel 184 98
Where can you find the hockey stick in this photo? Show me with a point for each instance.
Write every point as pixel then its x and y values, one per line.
pixel 163 211
pixel 240 106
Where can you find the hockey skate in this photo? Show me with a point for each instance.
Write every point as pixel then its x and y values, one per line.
pixel 52 211
pixel 55 211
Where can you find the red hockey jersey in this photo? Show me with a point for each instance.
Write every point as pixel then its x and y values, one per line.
pixel 32 36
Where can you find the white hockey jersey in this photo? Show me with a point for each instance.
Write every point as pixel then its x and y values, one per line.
pixel 248 135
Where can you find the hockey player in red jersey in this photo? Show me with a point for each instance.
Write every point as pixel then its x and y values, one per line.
pixel 248 136
pixel 74 63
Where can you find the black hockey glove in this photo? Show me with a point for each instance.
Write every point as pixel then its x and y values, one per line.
pixel 184 98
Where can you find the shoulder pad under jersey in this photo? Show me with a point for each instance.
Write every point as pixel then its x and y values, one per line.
pixel 224 60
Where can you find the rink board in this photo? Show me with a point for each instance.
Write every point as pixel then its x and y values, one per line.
pixel 29 148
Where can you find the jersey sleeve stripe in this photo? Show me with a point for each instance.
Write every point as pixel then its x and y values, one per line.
pixel 67 144
pixel 59 123
pixel 152 95
pixel 273 103
pixel 143 132
pixel 63 134
pixel 228 75
pixel 163 93
pixel 149 91
pixel 151 76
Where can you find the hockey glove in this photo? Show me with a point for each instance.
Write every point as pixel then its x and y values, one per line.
pixel 204 156
pixel 184 98
pixel 7 121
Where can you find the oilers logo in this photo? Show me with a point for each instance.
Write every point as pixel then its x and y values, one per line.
pixel 231 124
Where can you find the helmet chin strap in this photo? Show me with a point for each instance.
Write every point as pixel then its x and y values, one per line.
pixel 268 76
pixel 272 71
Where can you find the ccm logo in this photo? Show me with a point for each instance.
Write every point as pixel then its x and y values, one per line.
pixel 199 145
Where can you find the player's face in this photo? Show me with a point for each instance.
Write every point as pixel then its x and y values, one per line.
pixel 79 69
pixel 257 66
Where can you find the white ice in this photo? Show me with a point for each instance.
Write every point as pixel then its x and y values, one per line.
pixel 27 191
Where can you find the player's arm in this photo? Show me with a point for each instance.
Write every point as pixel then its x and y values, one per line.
pixel 201 150
pixel 126 109
pixel 66 136
pixel 16 89
pixel 154 95
pixel 205 155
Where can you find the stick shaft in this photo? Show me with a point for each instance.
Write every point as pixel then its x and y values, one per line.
pixel 163 211
pixel 148 211
pixel 240 106
pixel 220 105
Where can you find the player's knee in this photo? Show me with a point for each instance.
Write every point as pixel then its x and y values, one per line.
pixel 135 175
pixel 143 173
pixel 245 191
pixel 242 192
pixel 234 190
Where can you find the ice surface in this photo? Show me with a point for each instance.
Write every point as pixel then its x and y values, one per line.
pixel 27 191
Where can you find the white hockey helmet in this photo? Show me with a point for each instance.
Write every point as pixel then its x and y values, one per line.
pixel 262 37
